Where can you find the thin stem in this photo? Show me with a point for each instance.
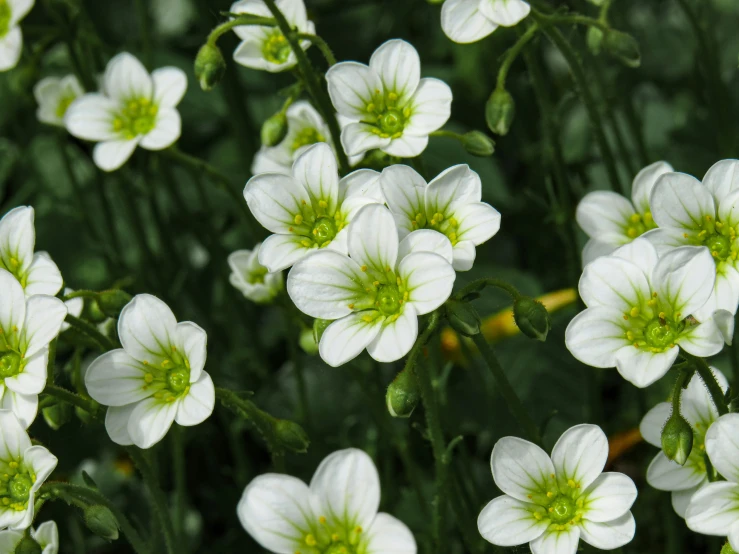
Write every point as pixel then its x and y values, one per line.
pixel 101 340
pixel 81 293
pixel 683 378
pixel 180 480
pixel 322 45
pixel 240 21
pixel 710 380
pixel 479 284
pixel 512 53
pixel 571 19
pixel 515 405
pixel 144 31
pixel 87 404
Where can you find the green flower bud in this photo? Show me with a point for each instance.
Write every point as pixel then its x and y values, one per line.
pixel 93 312
pixel 83 415
pixel 308 342
pixel 28 546
pixel 622 47
pixel 319 326
pixel 677 439
pixel 274 129
pixel 463 318
pixel 101 521
pixel 478 144
pixel 291 435
pixel 595 40
pixel 727 549
pixel 499 111
pixel 532 318
pixel 111 302
pixel 403 394
pixel 209 66
pixel 57 415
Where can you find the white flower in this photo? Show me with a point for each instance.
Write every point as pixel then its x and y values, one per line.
pixel 133 109
pixel 252 278
pixel 610 220
pixel 156 378
pixel 336 513
pixel 390 107
pixel 466 21
pixel 688 212
pixel 25 468
pixel 54 95
pixel 552 503
pixel 36 272
pixel 714 508
pixel 309 209
pixel 46 536
pixel 267 48
pixel 27 326
pixel 11 38
pixel 450 203
pixel 698 409
pixel 376 295
pixel 74 307
pixel 639 310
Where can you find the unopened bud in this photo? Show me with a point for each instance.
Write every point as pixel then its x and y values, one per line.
pixel 274 129
pixel 308 342
pixel 111 302
pixel 57 415
pixel 319 326
pixel 622 47
pixel 499 111
pixel 463 318
pixel 209 66
pixel 677 439
pixel 403 394
pixel 291 435
pixel 478 144
pixel 92 311
pixel 595 40
pixel 28 546
pixel 83 415
pixel 101 521
pixel 532 318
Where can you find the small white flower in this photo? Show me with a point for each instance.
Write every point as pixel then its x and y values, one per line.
pixel 253 279
pixel 54 95
pixel 46 536
pixel 698 409
pixel 27 326
pixel 266 48
pixel 466 21
pixel 707 214
pixel 74 307
pixel 552 503
pixel 639 310
pixel 390 107
pixel 450 203
pixel 309 209
pixel 26 467
pixel 336 513
pixel 376 295
pixel 610 220
pixel 36 272
pixel 11 38
pixel 714 508
pixel 156 378
pixel 133 109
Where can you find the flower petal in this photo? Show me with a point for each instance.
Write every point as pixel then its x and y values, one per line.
pixel 358 138
pixel 398 66
pixel 112 154
pixel 452 189
pixel 641 367
pixel 557 542
pixel 24 406
pixel 615 283
pixel 166 131
pixel 276 201
pixel 712 509
pixel 722 179
pixel 696 402
pixel 428 278
pixel 464 255
pixel 373 240
pixel 579 456
pixel 43 276
pixel 117 379
pixel 362 183
pixel 192 341
pixel 609 497
pixel 505 13
pixel 724 322
pixel 9 539
pixel 506 521
pixel 463 22
pixel 722 446
pixel 604 215
pixel 654 421
pixel 681 500
pixel 17 239
pixel 431 106
pixel 250 54
pixel 126 78
pixel 594 249
pixel 680 201
pixel 12 307
pixel 389 535
pixel 609 535
pixel 665 239
pixel 197 405
pixel 702 340
pixel 150 420
pixel 352 87
pixel 170 84
pixel 406 146
pixel 90 117
pixel 478 222
pixel 684 278
pixel 47 535
pixel 522 470
pixel 725 295
pixel 345 338
pixel 405 191
pixel 644 182
pixel 665 475
pixel 317 171
pixel 11 45
pixel 147 329
pixel 41 461
pixel 596 335
pixel 279 252
pixel 396 338
pixel 641 253
pixel 116 423
pixel 14 440
pixel 32 379
pixel 43 321
pixel 426 240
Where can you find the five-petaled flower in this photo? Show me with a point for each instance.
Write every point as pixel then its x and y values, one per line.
pixel 253 279
pixel 54 95
pixel 156 378
pixel 336 513
pixel 386 104
pixel 377 294
pixel 133 108
pixel 640 309
pixel 46 536
pixel 552 503
pixel 466 21
pixel 11 38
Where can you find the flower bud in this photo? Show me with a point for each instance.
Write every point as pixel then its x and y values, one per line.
pixel 57 415
pixel 111 302
pixel 403 394
pixel 101 521
pixel 463 318
pixel 92 311
pixel 595 40
pixel 291 435
pixel 209 66
pixel 319 326
pixel 727 549
pixel 274 129
pixel 28 546
pixel 532 318
pixel 478 144
pixel 499 111
pixel 623 47
pixel 83 415
pixel 677 439
pixel 308 341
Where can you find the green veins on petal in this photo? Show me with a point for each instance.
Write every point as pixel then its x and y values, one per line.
pixel 170 379
pixel 5 15
pixel 327 538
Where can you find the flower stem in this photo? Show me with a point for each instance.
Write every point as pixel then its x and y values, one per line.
pixel 512 53
pixel 101 340
pixel 322 45
pixel 87 404
pixel 239 21
pixel 479 284
pixel 144 31
pixel 683 378
pixel 180 479
pixel 710 381
pixel 515 405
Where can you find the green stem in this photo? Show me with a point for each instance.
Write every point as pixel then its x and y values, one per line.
pixel 51 360
pixel 515 405
pixel 82 326
pixel 144 31
pixel 81 293
pixel 180 480
pixel 479 284
pixel 240 21
pixel 322 45
pixel 709 379
pixel 87 404
pixel 513 52
pixel 575 19
pixel 683 378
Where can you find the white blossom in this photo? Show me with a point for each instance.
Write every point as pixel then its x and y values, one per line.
pixel 11 37
pixel 387 104
pixel 466 21
pixel 156 378
pixel 133 108
pixel 54 95
pixel 337 512
pixel 552 503
pixel 45 535
pixel 253 279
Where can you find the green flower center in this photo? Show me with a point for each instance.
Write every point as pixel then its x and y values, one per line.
pixel 719 245
pixel 324 230
pixel 171 378
pixel 16 483
pixel 5 15
pixel 64 103
pixel 306 137
pixel 391 122
pixel 638 224
pixel 256 277
pixel 10 364
pixel 19 487
pixel 718 237
pixel 387 118
pixel 562 510
pixel 138 117
pixel 389 299
pixel 651 328
pixel 447 226
pixel 13 265
pixel 325 538
pixel 660 333
pixel 275 48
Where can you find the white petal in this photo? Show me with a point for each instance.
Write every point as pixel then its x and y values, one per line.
pixel 595 336
pixel 654 421
pixel 728 209
pixel 17 239
pixel 406 146
pixel 317 171
pixel 90 117
pixel 19 10
pixel 197 405
pixel 276 511
pixel 426 240
pixel 11 46
pixel 604 215
pixel 478 222
pixel 43 276
pixel 43 321
pixel 725 295
pixel 724 321
pixel 126 78
pixel 681 500
pixel 644 182
pixel 594 249
pixel 9 540
pixel 345 338
pixel 47 535
pixel 150 420
pixel 430 106
pixel 463 22
pixel 396 338
pixel 697 405
pixel 722 179
pixel 166 131
pixel 111 155
pixel 352 87
pixel 325 283
pixel 358 138
pixel 702 340
pixel 609 535
pixel 665 239
pixel 250 54
pixel 642 368
pixel 734 536
pixel 147 329
pixel 684 278
pixel 680 201
pixel 451 190
pixel 428 278
pixel 192 341
pixel 373 240
pixel 279 252
pixel 505 12
pixel 24 406
pixel 170 84
pixel 666 475
pixel 609 497
pixel 347 487
pixel 722 446
pixel 362 183
pixel 614 283
pixel 557 542
pixel 522 470
pixel 275 201
pixel 14 440
pixel 351 206
pixel 641 253
pixel 117 379
pixel 116 423
pixel 506 521
pixel 41 461
pixel 398 66
pixel 713 509
pixel 464 255
pixel 389 535
pixel 404 190
pixel 580 455
pixel 32 379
